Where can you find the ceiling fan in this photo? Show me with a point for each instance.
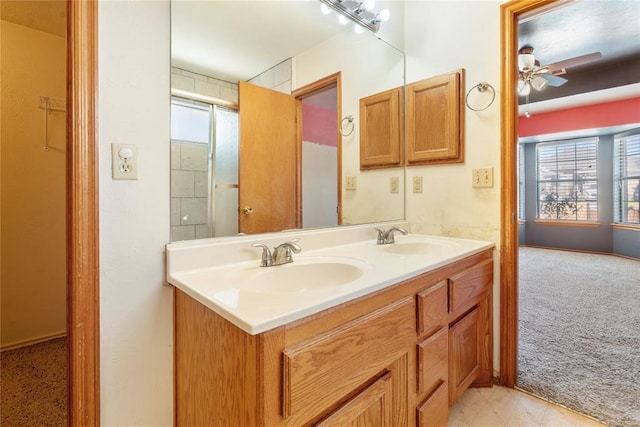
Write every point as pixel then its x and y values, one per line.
pixel 532 74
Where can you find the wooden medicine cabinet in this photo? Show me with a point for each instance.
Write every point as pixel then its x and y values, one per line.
pixel 381 130
pixel 435 120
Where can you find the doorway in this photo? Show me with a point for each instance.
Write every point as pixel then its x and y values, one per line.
pixel 320 146
pixel 34 300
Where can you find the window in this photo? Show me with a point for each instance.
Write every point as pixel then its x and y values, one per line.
pixel 626 179
pixel 521 178
pixel 567 179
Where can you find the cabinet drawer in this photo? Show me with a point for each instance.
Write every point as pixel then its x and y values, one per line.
pixel 434 411
pixel 432 308
pixel 433 361
pixel 468 284
pixel 324 369
pixel 372 406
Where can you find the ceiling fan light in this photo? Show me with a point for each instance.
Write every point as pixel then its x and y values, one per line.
pixel 325 9
pixel 538 83
pixel 526 61
pixel 525 89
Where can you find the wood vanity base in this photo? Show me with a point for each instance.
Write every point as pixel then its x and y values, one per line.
pixel 398 357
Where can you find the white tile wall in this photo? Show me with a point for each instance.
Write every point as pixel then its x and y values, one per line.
pixel 193 157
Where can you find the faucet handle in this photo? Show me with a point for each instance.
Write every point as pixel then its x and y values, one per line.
pixel 381 236
pixel 266 259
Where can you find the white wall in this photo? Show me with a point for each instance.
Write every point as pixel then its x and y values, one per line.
pixel 442 36
pixel 33 187
pixel 135 308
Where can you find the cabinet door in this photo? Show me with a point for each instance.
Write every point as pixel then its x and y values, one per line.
pixel 371 407
pixel 434 411
pixel 464 354
pixel 380 130
pixel 435 120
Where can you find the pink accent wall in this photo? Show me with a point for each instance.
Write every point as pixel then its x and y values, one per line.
pixel 319 125
pixel 612 113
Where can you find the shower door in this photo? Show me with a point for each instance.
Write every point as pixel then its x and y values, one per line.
pixel 204 170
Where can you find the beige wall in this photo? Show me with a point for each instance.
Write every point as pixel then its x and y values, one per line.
pixel 442 36
pixel 33 187
pixel 136 318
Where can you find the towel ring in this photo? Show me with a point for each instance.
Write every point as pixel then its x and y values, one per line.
pixel 349 120
pixel 482 87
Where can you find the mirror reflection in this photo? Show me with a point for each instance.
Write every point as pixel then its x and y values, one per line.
pixel 259 140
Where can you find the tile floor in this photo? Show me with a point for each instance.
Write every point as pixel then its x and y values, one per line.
pixel 504 407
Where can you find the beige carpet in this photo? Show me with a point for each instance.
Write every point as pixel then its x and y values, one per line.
pixel 579 332
pixel 33 385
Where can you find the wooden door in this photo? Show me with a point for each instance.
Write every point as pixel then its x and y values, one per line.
pixel 268 175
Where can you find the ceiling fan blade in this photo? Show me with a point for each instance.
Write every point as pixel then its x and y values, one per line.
pixel 553 80
pixel 573 62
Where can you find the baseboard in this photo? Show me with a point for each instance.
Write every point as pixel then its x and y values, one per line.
pixel 580 251
pixel 33 341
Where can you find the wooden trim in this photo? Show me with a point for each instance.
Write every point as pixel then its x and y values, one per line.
pixel 309 90
pixel 626 227
pixel 83 320
pixel 567 223
pixel 509 15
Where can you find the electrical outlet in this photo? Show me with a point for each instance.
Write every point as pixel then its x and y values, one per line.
pixel 394 184
pixel 351 182
pixel 482 178
pixel 124 161
pixel 417 184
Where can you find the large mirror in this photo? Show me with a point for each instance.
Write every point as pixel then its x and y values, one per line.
pixel 265 118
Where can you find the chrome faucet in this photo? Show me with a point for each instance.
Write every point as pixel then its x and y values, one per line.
pixel 387 237
pixel 281 254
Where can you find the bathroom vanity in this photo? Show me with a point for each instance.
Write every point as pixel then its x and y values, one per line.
pixel 393 346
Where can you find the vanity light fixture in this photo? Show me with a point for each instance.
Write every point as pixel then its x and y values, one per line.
pixel 362 13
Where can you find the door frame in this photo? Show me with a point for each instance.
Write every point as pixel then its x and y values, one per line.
pixel 510 13
pixel 83 263
pixel 313 88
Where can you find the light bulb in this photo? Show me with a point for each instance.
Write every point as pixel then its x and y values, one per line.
pixel 525 90
pixel 358 29
pixel 539 82
pixel 325 9
pixel 369 4
pixel 526 61
pixel 343 20
pixel 384 15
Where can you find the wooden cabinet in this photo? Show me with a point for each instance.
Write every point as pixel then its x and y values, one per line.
pixel 381 130
pixel 435 120
pixel 464 354
pixel 386 359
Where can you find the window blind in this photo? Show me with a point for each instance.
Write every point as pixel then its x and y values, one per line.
pixel 626 179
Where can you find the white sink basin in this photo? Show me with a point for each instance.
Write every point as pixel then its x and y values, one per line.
pixel 423 247
pixel 303 275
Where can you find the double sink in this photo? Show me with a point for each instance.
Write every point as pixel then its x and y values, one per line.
pixel 257 298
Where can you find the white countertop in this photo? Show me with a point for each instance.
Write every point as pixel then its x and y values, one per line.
pixel 202 270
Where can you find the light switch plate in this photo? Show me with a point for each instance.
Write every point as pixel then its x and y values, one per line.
pixel 351 183
pixel 417 184
pixel 482 178
pixel 394 184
